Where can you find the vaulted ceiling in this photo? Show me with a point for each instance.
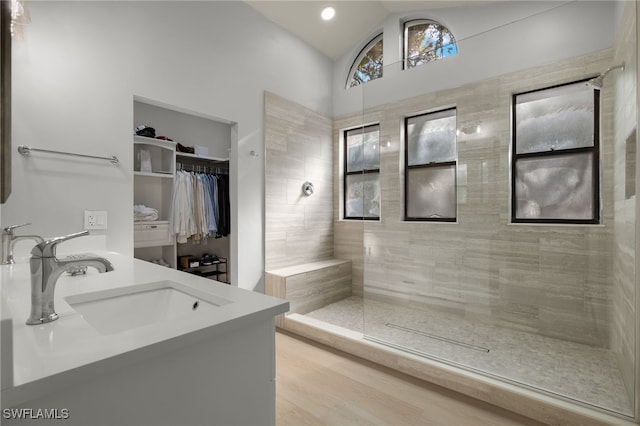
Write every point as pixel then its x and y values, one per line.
pixel 353 22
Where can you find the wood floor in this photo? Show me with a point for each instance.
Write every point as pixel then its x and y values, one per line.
pixel 317 385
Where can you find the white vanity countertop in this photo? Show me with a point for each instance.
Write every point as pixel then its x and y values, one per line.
pixel 69 350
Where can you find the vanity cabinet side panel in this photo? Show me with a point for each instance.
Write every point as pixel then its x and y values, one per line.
pixel 225 379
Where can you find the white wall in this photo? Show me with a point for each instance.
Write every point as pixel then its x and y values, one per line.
pixel 75 75
pixel 525 31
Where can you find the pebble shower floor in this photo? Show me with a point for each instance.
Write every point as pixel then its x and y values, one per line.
pixel 576 371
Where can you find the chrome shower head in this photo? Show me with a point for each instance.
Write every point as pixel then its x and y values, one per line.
pixel 598 82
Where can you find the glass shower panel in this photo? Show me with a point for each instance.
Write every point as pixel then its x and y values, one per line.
pixel 547 306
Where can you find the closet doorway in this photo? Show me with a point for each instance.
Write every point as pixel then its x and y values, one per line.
pixel 182 199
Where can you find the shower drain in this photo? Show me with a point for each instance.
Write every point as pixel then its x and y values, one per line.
pixel 436 337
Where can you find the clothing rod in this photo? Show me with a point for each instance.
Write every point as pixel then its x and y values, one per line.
pixel 26 150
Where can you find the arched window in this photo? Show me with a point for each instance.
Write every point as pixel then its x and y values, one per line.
pixel 426 41
pixel 368 64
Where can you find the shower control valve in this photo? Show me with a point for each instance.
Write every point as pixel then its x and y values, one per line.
pixel 307 188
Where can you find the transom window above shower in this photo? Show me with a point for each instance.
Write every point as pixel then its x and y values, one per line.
pixel 430 166
pixel 368 65
pixel 423 41
pixel 362 173
pixel 426 41
pixel 555 167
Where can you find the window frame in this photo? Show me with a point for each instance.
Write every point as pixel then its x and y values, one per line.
pixel 405 39
pixel 359 172
pixel 432 164
pixel 593 150
pixel 354 66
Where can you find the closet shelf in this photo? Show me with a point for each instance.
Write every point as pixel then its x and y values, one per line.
pixel 200 157
pixel 210 271
pixel 154 174
pixel 170 144
pixel 152 141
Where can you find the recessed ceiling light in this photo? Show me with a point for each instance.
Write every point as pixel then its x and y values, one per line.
pixel 328 13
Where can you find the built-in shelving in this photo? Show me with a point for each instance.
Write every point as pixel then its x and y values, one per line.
pixel 211 271
pixel 153 186
pixel 153 172
pixel 153 157
pixel 152 234
pixel 200 157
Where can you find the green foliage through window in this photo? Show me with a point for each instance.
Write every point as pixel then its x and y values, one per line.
pixel 368 65
pixel 427 41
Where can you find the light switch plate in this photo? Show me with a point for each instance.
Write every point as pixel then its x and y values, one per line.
pixel 95 219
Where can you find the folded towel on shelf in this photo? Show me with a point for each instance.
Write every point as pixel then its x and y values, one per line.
pixel 142 212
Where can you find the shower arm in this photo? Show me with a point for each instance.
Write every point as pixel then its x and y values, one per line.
pixel 598 82
pixel 608 70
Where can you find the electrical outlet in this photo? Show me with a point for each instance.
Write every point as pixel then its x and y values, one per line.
pixel 95 219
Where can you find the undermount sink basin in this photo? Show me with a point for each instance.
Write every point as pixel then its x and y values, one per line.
pixel 120 309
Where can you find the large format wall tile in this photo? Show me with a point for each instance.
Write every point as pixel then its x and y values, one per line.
pixel 623 294
pixel 557 281
pixel 548 279
pixel 298 228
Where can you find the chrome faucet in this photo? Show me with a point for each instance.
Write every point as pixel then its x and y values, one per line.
pixel 46 268
pixel 9 239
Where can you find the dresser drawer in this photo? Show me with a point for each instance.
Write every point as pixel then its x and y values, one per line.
pixel 147 234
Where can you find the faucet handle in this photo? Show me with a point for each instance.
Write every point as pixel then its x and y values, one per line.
pixel 9 229
pixel 48 248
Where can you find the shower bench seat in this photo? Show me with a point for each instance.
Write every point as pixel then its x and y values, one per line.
pixel 309 286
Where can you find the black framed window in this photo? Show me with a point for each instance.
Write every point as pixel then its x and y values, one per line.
pixel 430 167
pixel 362 173
pixel 555 166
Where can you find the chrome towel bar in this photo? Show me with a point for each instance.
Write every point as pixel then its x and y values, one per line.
pixel 26 150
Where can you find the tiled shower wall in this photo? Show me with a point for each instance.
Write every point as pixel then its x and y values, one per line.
pixel 299 228
pixel 624 271
pixel 551 280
